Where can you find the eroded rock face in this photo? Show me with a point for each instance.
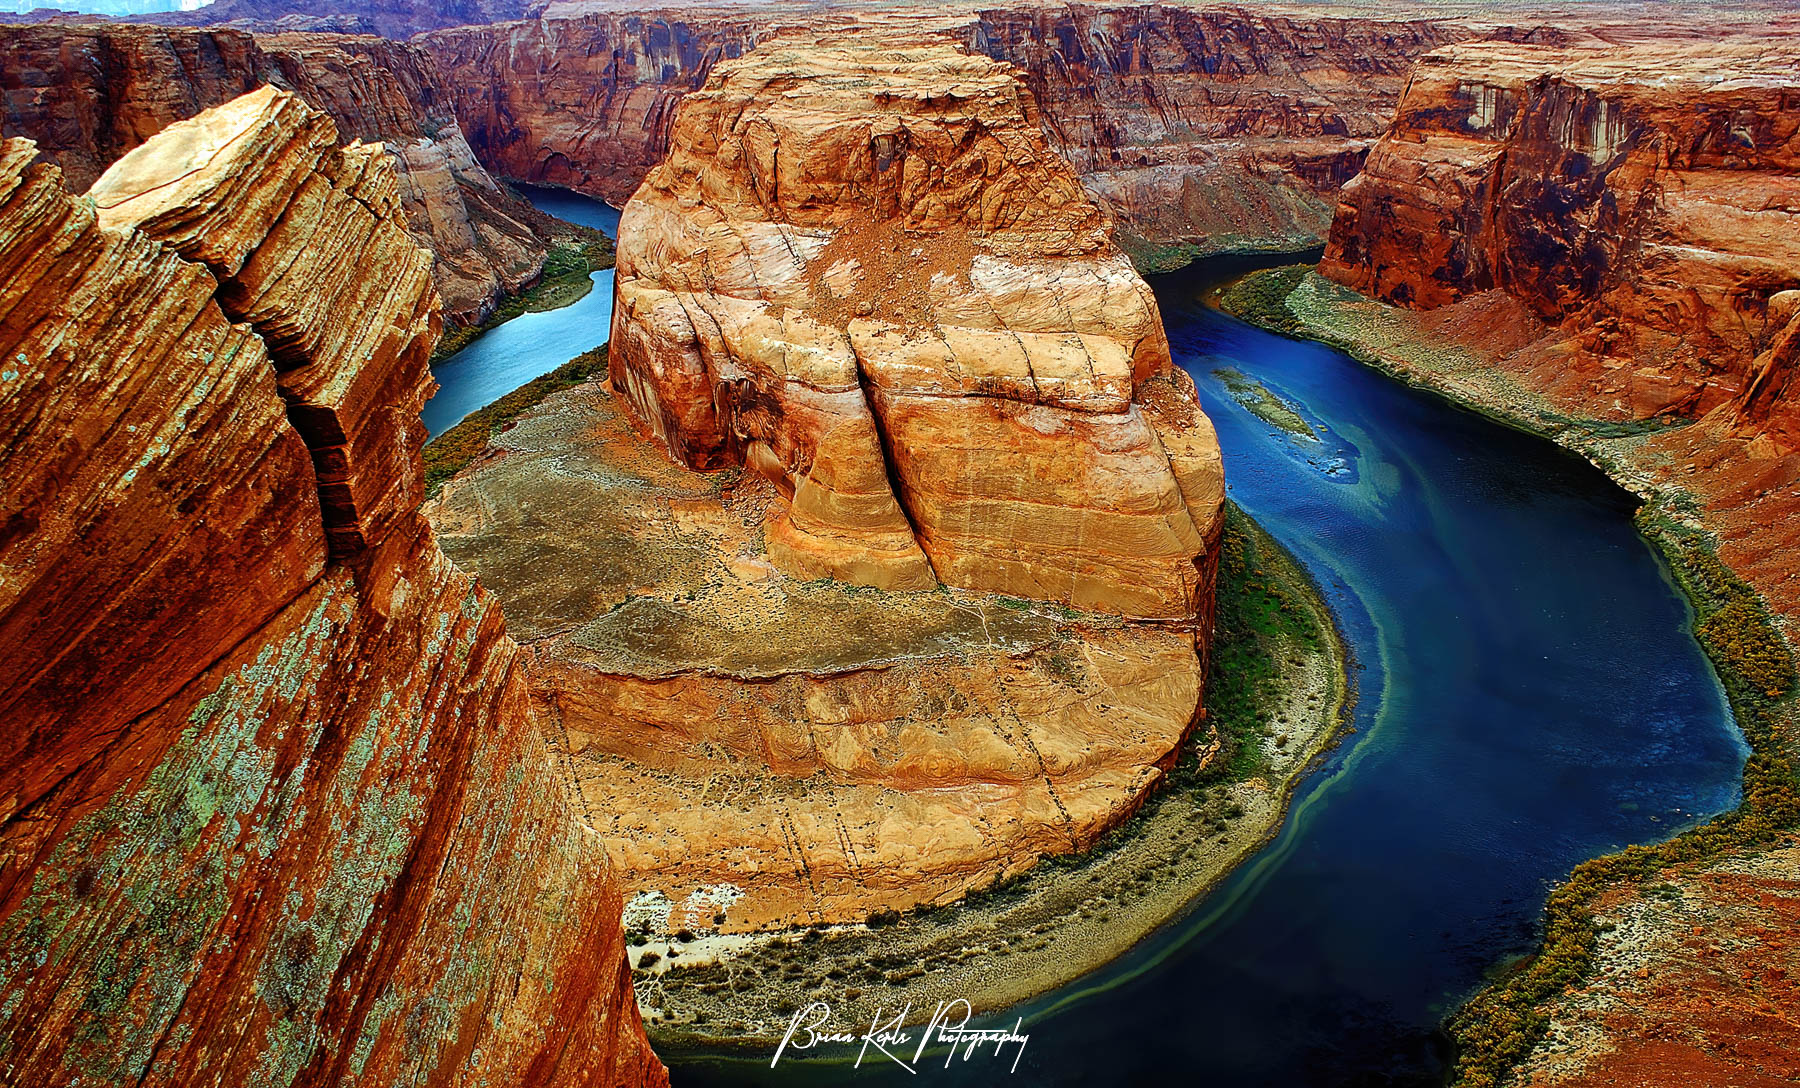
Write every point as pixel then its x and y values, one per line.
pixel 1220 129
pixel 88 94
pixel 862 273
pixel 1643 202
pixel 270 792
pixel 795 751
pixel 583 102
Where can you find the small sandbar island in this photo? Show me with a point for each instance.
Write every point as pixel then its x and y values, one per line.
pixel 879 570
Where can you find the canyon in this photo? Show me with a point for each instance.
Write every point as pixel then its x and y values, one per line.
pixel 1203 131
pixel 864 330
pixel 1613 248
pixel 1596 234
pixel 888 342
pixel 87 94
pixel 275 807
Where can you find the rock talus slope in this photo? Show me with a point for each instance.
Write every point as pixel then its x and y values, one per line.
pixel 272 801
pixel 1644 201
pixel 88 94
pixel 862 273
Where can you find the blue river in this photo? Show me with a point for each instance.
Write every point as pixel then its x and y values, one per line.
pixel 509 355
pixel 1529 696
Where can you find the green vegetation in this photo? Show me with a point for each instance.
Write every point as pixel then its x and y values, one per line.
pixel 1263 613
pixel 565 280
pixel 1154 259
pixel 1261 298
pixel 1498 1029
pixel 1263 404
pixel 448 453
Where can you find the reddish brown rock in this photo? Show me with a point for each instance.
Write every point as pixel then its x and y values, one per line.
pixel 1222 128
pixel 795 751
pixel 582 102
pixel 861 262
pixel 88 94
pixel 270 797
pixel 1219 128
pixel 1695 981
pixel 1643 201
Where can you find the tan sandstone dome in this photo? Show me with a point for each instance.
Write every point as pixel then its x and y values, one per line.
pixel 862 273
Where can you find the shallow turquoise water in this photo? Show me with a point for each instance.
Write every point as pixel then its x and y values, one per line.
pixel 509 355
pixel 1529 698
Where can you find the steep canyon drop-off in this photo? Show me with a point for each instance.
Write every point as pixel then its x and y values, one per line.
pixel 274 807
pixel 1217 129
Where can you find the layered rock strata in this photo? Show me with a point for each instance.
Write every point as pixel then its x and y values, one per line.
pixel 1219 129
pixel 862 273
pixel 1642 202
pixel 88 94
pixel 584 102
pixel 794 751
pixel 272 801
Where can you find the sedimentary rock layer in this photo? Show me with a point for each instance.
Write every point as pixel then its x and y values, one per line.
pixel 1217 128
pixel 273 807
pixel 585 102
pixel 1641 201
pixel 88 94
pixel 1222 128
pixel 862 273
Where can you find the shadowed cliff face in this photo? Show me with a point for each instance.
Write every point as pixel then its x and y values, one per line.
pixel 88 94
pixel 584 102
pixel 1219 129
pixel 1643 201
pixel 273 808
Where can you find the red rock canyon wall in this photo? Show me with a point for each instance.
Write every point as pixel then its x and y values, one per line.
pixel 273 807
pixel 1218 128
pixel 88 94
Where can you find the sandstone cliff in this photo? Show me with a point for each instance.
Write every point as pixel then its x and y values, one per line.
pixel 389 18
pixel 1219 129
pixel 270 795
pixel 88 94
pixel 862 273
pixel 1642 201
pixel 584 102
pixel 886 337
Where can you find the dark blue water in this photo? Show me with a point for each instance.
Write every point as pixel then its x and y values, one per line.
pixel 509 355
pixel 1529 698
